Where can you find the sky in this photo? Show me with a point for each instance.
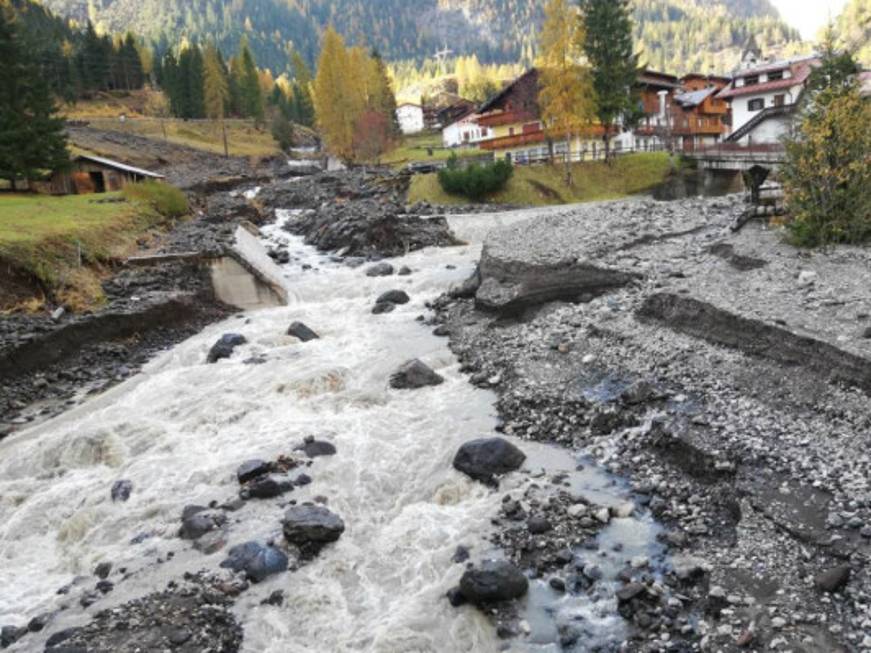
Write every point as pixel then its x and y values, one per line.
pixel 809 15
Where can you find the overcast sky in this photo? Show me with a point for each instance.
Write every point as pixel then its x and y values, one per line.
pixel 809 15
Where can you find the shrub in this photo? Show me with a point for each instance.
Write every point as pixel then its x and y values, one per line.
pixel 282 132
pixel 167 200
pixel 474 181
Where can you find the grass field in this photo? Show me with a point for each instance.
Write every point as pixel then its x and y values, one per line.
pixel 545 184
pixel 417 148
pixel 61 241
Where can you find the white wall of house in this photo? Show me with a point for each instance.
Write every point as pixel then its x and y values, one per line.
pixel 410 117
pixel 464 132
pixel 742 113
pixel 768 132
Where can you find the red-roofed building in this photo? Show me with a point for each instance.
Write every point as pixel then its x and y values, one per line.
pixel 764 95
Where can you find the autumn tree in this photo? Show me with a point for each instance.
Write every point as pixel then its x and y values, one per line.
pixel 332 96
pixel 566 93
pixel 827 171
pixel 609 48
pixel 216 91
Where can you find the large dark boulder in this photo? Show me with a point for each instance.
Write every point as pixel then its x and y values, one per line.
pixel 251 469
pixel 121 490
pixel 486 458
pixel 268 487
pixel 833 580
pixel 317 448
pixel 302 332
pixel 413 375
pixel 225 346
pixel 380 270
pixel 393 297
pixel 196 521
pixel 257 561
pixel 312 526
pixel 493 581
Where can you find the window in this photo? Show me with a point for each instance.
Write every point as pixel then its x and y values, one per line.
pixel 775 76
pixel 757 104
pixel 511 131
pixel 779 100
pixel 751 81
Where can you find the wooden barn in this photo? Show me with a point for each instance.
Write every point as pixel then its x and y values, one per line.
pixel 93 174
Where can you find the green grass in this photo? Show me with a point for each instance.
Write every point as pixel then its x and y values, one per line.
pixel 416 148
pixel 542 185
pixel 47 237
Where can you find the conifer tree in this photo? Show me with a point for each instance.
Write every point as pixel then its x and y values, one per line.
pixel 566 91
pixel 383 98
pixel 609 49
pixel 32 138
pixel 303 104
pixel 250 95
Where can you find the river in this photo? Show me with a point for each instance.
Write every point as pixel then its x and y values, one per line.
pixel 179 430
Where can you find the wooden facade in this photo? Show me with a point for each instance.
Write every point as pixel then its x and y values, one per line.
pixel 92 174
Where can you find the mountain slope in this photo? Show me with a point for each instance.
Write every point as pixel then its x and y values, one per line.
pixel 674 34
pixel 853 28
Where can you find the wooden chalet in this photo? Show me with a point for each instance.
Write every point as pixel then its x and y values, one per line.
pixel 93 174
pixel 699 117
pixel 656 92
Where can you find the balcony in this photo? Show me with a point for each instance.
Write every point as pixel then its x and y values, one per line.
pixel 517 140
pixel 505 118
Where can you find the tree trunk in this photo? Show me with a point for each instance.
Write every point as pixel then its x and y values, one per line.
pixel 224 130
pixel 568 162
pixel 607 139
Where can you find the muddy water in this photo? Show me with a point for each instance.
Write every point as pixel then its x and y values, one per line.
pixel 180 428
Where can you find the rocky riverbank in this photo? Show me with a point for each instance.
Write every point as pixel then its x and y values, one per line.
pixel 726 375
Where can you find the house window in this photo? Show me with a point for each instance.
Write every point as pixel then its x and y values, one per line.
pixel 756 104
pixel 751 81
pixel 775 76
pixel 779 100
pixel 511 131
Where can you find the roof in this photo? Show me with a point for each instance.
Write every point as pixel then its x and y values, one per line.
pixel 773 66
pixel 109 163
pixel 655 78
pixel 751 47
pixel 695 98
pixel 712 78
pixel 409 104
pixel 801 70
pixel 491 104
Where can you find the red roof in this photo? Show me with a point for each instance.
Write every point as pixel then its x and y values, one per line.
pixel 800 72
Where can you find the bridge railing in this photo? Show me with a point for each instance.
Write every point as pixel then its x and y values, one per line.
pixel 760 151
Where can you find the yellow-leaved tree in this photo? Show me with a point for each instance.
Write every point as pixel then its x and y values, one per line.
pixel 566 92
pixel 216 91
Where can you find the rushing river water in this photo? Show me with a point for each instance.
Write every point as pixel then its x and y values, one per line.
pixel 180 428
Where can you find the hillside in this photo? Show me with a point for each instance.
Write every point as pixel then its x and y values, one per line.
pixel 674 34
pixel 853 28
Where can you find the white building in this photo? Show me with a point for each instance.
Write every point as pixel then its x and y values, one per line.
pixel 410 117
pixel 764 96
pixel 464 131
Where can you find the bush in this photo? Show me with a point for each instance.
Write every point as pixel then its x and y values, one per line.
pixel 475 181
pixel 167 200
pixel 282 132
pixel 827 173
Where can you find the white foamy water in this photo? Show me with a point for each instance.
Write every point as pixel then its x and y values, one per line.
pixel 179 430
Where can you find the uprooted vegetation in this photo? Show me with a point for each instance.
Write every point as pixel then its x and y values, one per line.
pixel 55 249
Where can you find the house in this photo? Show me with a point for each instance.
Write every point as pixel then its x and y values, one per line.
pixel 763 96
pixel 93 174
pixel 463 129
pixel 656 93
pixel 699 117
pixel 410 117
pixel 515 130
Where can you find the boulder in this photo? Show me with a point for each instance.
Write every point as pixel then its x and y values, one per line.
pixel 380 270
pixel 393 297
pixel 486 458
pixel 310 525
pixel 493 581
pixel 832 580
pixel 121 490
pixel 413 375
pixel 251 469
pixel 268 487
pixel 384 307
pixel 11 634
pixel 302 332
pixel 197 521
pixel 224 347
pixel 257 561
pixel 316 448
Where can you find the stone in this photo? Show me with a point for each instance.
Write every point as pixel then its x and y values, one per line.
pixel 211 542
pixel 414 375
pixel 103 570
pixel 538 525
pixel 393 297
pixel 61 636
pixel 11 634
pixel 557 584
pixel 383 307
pixel 317 448
pixel 486 458
pixel 455 597
pixel 460 555
pixel 251 469
pixel 224 347
pixel 404 271
pixel 833 580
pixel 312 525
pixel 380 270
pixel 492 582
pixel 268 487
pixel 257 561
pixel 275 599
pixel 121 490
pixel 630 591
pixel 196 523
pixel 301 332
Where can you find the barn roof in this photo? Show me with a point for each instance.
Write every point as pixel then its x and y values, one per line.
pixel 117 165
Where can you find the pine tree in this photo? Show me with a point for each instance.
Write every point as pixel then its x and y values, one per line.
pixel 609 49
pixel 32 138
pixel 383 98
pixel 303 104
pixel 215 91
pixel 566 91
pixel 250 95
